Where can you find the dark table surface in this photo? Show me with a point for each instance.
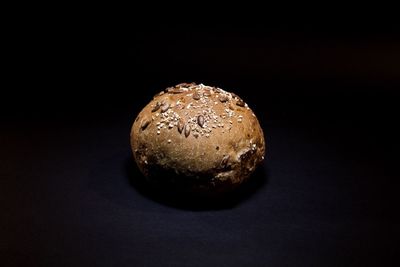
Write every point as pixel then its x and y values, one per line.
pixel 326 194
pixel 323 197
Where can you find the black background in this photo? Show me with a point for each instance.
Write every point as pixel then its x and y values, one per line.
pixel 326 95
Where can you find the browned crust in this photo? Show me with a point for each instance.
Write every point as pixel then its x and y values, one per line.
pixel 208 138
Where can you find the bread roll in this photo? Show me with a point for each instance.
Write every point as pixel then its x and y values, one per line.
pixel 197 138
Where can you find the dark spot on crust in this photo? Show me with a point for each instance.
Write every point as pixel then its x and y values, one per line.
pixel 217 147
pixel 233 145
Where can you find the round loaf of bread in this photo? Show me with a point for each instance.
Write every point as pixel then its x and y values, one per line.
pixel 197 138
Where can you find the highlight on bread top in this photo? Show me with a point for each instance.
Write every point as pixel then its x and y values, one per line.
pixel 197 138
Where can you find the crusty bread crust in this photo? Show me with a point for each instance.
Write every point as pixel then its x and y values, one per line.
pixel 197 137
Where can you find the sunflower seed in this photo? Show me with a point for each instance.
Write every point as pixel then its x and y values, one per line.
pixel 156 107
pixel 172 90
pixel 196 96
pixel 180 126
pixel 207 92
pixel 223 98
pixel 235 95
pixel 164 107
pixel 224 161
pixel 185 84
pixel 144 124
pixel 187 130
pixel 159 94
pixel 240 103
pixel 200 120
